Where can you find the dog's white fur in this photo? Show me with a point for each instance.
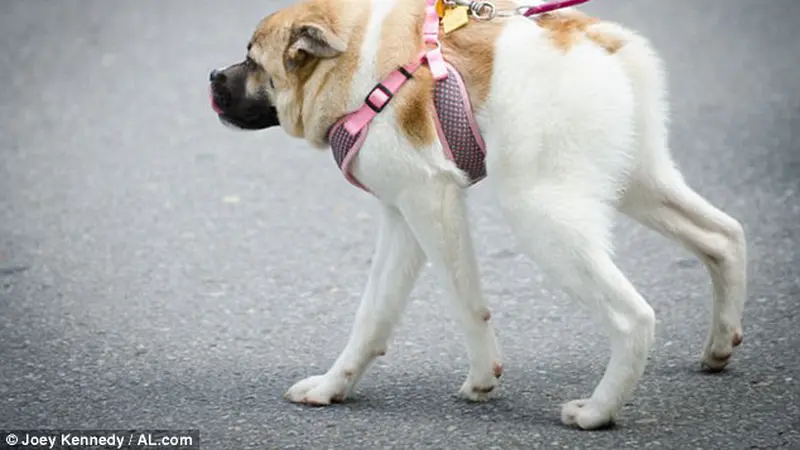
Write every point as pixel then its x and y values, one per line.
pixel 572 137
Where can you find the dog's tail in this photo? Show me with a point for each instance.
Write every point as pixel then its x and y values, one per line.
pixel 645 70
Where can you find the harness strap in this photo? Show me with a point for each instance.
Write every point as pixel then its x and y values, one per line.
pixel 383 92
pixel 431 37
pixel 380 96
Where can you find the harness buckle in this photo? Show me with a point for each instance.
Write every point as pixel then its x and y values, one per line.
pixel 388 95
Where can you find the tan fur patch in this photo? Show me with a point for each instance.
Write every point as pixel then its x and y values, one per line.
pixel 401 35
pixel 612 44
pixel 414 113
pixel 401 41
pixel 566 29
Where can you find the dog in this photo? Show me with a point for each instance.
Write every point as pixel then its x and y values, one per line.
pixel 573 111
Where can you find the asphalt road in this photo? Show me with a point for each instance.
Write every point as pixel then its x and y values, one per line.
pixel 158 270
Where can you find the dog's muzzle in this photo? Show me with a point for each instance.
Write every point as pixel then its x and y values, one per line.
pixel 234 108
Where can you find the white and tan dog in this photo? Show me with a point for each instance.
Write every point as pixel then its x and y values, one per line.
pixel 574 115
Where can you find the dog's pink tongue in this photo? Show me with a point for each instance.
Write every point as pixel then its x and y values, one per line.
pixel 214 105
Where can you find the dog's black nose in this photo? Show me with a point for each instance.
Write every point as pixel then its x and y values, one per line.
pixel 216 76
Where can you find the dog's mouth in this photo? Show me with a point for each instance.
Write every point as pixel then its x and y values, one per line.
pixel 255 117
pixel 245 123
pixel 214 104
pixel 251 122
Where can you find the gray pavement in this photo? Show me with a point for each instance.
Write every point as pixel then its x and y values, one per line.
pixel 158 270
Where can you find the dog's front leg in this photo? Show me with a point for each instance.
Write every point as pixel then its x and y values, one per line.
pixel 436 212
pixel 395 267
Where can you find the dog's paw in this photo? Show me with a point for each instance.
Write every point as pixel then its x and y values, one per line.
pixel 479 388
pixel 719 350
pixel 319 390
pixel 586 414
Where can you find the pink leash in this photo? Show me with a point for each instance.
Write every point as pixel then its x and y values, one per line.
pixel 551 6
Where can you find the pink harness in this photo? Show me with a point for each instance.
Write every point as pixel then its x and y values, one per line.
pixel 454 119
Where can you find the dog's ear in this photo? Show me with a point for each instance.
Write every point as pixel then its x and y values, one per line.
pixel 309 42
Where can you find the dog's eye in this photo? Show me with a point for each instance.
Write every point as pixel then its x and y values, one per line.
pixel 271 83
pixel 250 63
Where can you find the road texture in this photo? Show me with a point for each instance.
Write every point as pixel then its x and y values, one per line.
pixel 158 270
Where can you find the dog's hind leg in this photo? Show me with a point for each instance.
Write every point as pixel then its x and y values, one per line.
pixel 658 197
pixel 566 232
pixel 436 212
pixel 666 204
pixel 395 267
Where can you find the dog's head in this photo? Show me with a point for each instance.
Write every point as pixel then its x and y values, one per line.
pixel 268 87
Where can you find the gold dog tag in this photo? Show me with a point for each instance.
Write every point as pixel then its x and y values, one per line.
pixel 440 7
pixel 455 18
